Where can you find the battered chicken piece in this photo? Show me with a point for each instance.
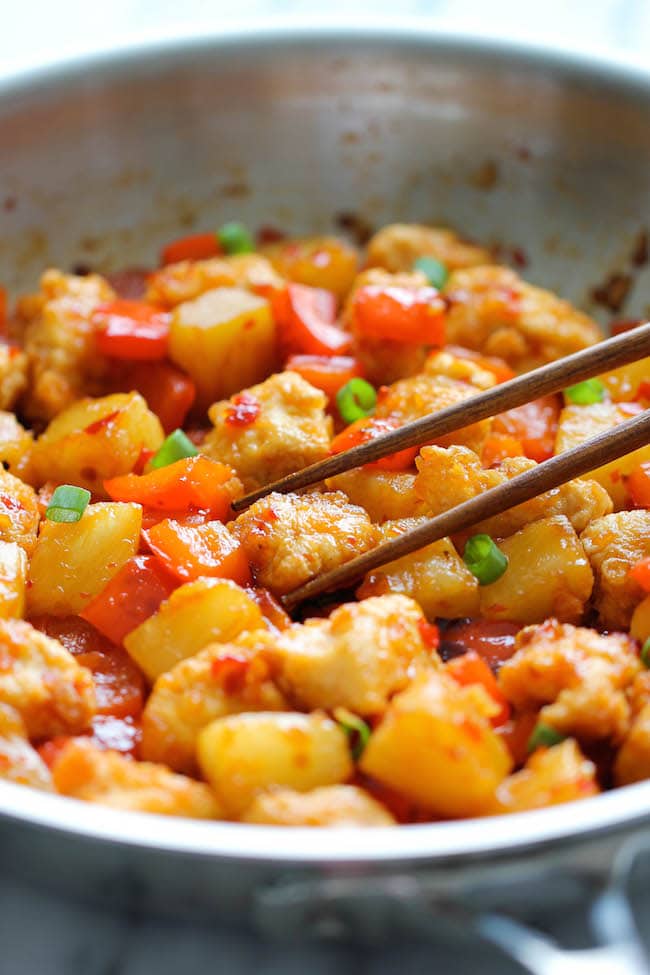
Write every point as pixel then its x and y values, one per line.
pixel 331 805
pixel 19 514
pixel 397 246
pixel 633 760
pixel 84 771
pixel 43 682
pixel 16 445
pixel 578 674
pixel 13 375
pixel 289 538
pixel 384 360
pixel 613 545
pixel 417 396
pixel 386 495
pixel 448 477
pixel 186 280
pixel 290 431
pixel 357 658
pixel 19 762
pixel 58 337
pixel 224 678
pixel 549 777
pixel 495 312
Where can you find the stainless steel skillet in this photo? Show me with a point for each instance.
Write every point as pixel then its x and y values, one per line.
pixel 104 159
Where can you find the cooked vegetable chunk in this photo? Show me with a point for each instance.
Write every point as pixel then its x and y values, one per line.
pixel 289 538
pixel 19 515
pixel 332 805
pixel 185 280
pixel 613 545
pixel 578 674
pixel 579 423
pixel 435 746
pixel 633 760
pixel 84 771
pixel 244 754
pixel 73 562
pixel 357 658
pixel 195 614
pixel 495 312
pixel 19 761
pixel 435 576
pixel 224 340
pixel 320 262
pixel 549 777
pixel 96 439
pixel 547 575
pixel 223 678
pixel 41 680
pixel 270 430
pixel 13 580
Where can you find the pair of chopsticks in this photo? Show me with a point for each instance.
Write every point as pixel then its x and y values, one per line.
pixel 552 378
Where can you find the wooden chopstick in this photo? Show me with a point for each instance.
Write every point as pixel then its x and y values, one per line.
pixel 550 378
pixel 593 453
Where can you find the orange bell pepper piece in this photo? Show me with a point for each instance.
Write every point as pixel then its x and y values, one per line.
pixel 638 484
pixel 533 424
pixel 369 428
pixel 192 483
pixel 472 669
pixel 328 373
pixel 192 551
pixel 409 315
pixel 193 247
pixel 641 573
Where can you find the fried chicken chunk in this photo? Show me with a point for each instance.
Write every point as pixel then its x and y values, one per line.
pixel 289 431
pixel 397 246
pixel 19 761
pixel 289 538
pixel 613 545
pixel 331 805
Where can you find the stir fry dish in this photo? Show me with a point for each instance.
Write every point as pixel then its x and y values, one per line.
pixel 146 660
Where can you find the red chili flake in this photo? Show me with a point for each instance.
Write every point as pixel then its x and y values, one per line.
pixel 230 672
pixel 243 410
pixel 104 421
pixel 7 501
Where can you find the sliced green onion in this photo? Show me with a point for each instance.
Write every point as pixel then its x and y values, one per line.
pixel 435 271
pixel 67 503
pixel 484 559
pixel 356 399
pixel 235 238
pixel 544 736
pixel 355 728
pixel 177 446
pixel 585 393
pixel 645 653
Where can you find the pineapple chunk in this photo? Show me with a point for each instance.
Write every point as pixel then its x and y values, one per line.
pixel 549 777
pixel 320 262
pixel 579 423
pixel 95 439
pixel 386 495
pixel 73 562
pixel 243 754
pixel 436 746
pixel 435 576
pixel 13 580
pixel 225 340
pixel 623 384
pixel 198 613
pixel 548 575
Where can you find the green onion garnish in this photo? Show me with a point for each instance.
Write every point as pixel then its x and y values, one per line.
pixel 484 559
pixel 544 736
pixel 645 653
pixel 177 446
pixel 585 393
pixel 356 399
pixel 235 238
pixel 435 271
pixel 67 503
pixel 355 728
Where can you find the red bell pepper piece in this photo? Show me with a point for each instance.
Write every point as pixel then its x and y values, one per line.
pixel 638 484
pixel 132 596
pixel 192 483
pixel 640 572
pixel 119 685
pixel 305 318
pixel 328 373
pixel 493 640
pixel 193 247
pixel 408 315
pixel 191 551
pixel 472 669
pixel 534 424
pixel 369 428
pixel 169 392
pixel 131 330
